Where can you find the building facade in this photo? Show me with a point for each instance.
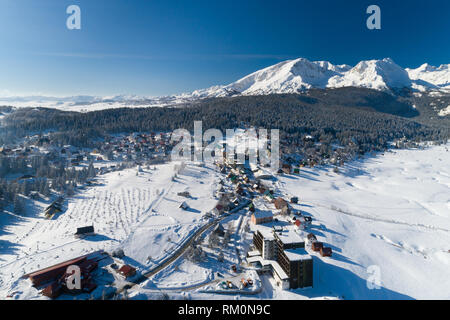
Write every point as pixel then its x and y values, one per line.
pixel 292 266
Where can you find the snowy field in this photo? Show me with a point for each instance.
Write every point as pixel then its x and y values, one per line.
pixel 139 213
pixel 391 211
pixel 387 212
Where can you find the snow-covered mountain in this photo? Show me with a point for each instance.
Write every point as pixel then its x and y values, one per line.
pixel 430 76
pixel 290 76
pixel 301 74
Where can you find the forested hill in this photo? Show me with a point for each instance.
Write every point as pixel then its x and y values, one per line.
pixel 337 115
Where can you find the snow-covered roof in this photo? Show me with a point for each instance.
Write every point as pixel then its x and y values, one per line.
pixel 290 235
pixel 263 214
pixel 299 254
pixel 274 265
pixel 253 253
pixel 266 232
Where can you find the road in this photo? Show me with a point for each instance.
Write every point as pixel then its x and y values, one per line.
pixel 197 235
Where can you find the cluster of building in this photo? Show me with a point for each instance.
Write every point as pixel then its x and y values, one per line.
pixel 55 279
pixel 280 237
pixel 59 279
pixel 279 242
pixel 138 146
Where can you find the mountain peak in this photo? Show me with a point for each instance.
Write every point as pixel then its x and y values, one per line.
pixel 300 74
pixel 429 76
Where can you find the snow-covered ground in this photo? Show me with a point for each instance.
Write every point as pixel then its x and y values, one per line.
pixel 444 112
pixel 139 213
pixel 391 211
pixel 388 213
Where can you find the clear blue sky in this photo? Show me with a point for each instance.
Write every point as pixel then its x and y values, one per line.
pixel 163 47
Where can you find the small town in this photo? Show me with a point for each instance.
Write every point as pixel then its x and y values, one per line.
pixel 273 237
pixel 214 158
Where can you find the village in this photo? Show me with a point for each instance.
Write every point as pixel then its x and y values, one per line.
pixel 275 238
pixel 142 226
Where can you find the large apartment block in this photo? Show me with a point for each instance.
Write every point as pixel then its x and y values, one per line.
pixel 283 249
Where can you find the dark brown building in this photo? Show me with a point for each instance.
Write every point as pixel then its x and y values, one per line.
pixel 298 265
pixel 293 259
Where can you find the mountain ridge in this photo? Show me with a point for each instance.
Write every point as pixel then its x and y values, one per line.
pixel 290 76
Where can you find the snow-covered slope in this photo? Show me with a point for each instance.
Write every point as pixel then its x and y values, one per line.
pixel 297 75
pixel 374 74
pixel 289 76
pixel 137 212
pixel 391 211
pixel 427 75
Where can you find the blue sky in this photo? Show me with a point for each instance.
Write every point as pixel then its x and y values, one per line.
pixel 164 47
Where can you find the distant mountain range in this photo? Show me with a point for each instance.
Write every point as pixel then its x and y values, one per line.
pixel 301 74
pixel 290 76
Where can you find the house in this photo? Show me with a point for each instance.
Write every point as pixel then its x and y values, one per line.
pixel 218 209
pixel 261 217
pixel 326 252
pixel 306 220
pixel 127 271
pixel 240 191
pixel 235 201
pixel 268 194
pixel 286 168
pixel 219 230
pixel 280 203
pixel 311 238
pixel 184 206
pixel 286 211
pixel 84 231
pixel 316 246
pixel 53 273
pixel 185 194
pixel 52 209
pixel 53 290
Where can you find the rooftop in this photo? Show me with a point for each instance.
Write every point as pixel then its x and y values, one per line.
pixel 273 264
pixel 289 235
pixel 266 232
pixel 263 214
pixel 297 254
